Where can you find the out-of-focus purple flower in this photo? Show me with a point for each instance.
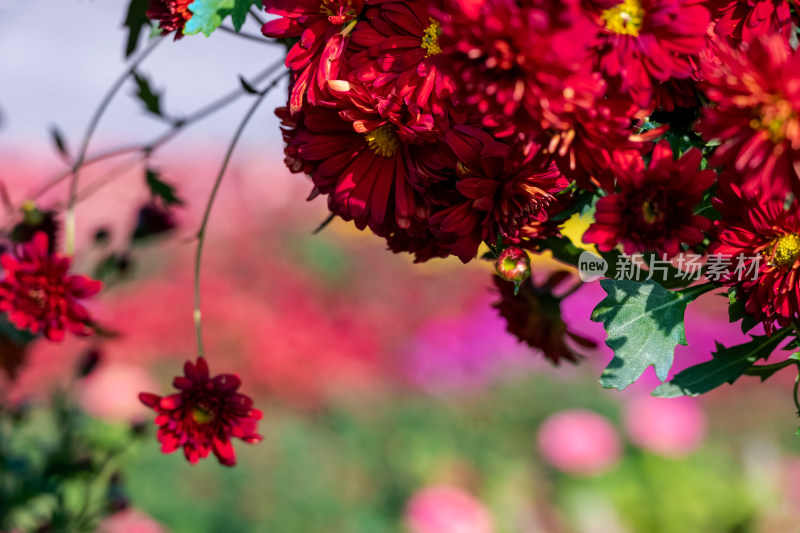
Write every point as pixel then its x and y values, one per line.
pixel 446 509
pixel 579 442
pixel 464 352
pixel 130 521
pixel 673 427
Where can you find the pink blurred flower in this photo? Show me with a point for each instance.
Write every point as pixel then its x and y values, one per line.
pixel 446 509
pixel 130 521
pixel 580 442
pixel 672 427
pixel 111 392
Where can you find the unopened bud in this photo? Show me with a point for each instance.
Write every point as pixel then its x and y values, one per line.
pixel 513 265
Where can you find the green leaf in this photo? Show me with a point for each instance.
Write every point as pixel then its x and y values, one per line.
pixel 240 10
pixel 682 141
pixel 207 16
pixel 248 88
pixel 145 93
pixel 725 367
pixel 58 140
pixel 644 322
pixel 161 189
pixel 736 312
pixel 135 20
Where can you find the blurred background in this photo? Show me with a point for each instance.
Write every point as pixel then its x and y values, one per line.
pixel 394 398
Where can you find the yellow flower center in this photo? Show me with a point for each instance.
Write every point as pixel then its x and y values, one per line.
pixel 202 414
pixel 650 212
pixel 786 250
pixel 383 140
pixel 38 296
pixel 776 118
pixel 430 39
pixel 625 18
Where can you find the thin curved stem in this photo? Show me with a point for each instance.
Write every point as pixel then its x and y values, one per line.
pixel 796 390
pixel 201 233
pixel 69 234
pixel 162 139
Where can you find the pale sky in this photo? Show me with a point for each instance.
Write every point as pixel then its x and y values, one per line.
pixel 58 57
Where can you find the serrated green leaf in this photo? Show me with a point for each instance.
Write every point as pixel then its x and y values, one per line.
pixel 145 93
pixel 207 15
pixel 644 322
pixel 725 367
pixel 135 20
pixel 161 189
pixel 58 140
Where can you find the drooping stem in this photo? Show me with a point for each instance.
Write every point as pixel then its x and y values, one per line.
pixel 69 233
pixel 201 233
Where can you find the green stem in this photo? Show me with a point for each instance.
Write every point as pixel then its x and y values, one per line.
pixel 69 234
pixel 201 234
pixel 158 142
pixel 796 390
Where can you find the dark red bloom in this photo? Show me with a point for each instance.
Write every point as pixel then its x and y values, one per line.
pixel 361 155
pixel 534 317
pixel 204 415
pixel 654 208
pixel 763 228
pixel 400 42
pixel 324 28
pixel 646 40
pixel 512 61
pixel 749 20
pixel 498 193
pixel 171 15
pixel 756 115
pixel 38 294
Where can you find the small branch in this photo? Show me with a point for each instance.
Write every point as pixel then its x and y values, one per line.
pixel 159 141
pixel 255 14
pixel 201 234
pixel 249 36
pixel 69 234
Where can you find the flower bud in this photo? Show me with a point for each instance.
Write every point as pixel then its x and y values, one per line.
pixel 513 265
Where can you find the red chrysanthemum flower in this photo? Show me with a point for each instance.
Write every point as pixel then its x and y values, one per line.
pixel 748 20
pixel 646 40
pixel 498 193
pixel 654 208
pixel 38 294
pixel 171 15
pixel 361 155
pixel 766 228
pixel 400 41
pixel 511 60
pixel 205 415
pixel 534 317
pixel 756 115
pixel 324 28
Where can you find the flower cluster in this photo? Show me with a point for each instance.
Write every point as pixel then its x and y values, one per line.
pixel 444 124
